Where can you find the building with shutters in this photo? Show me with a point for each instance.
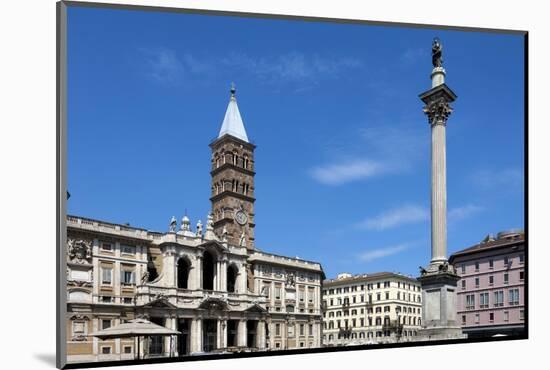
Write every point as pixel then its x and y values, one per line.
pixel 491 288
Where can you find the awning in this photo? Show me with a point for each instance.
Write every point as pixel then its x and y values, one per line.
pixel 134 328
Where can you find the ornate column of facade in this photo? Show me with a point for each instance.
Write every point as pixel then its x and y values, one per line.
pixel 224 333
pixel 198 272
pixel 169 266
pixel 260 330
pixel 196 335
pixel 316 333
pixel 241 341
pixel 223 276
pixel 284 334
pixel 167 324
pixel 218 334
pixel 242 278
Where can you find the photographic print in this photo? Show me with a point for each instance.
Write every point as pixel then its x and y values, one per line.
pixel 246 185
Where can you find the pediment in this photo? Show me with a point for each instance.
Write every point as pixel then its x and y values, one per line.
pixel 256 308
pixel 216 245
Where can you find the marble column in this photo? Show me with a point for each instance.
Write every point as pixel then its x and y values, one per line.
pixel 198 273
pixel 241 333
pixel 439 179
pixel 223 333
pixel 167 324
pixel 438 280
pixel 196 335
pixel 260 333
pixel 223 276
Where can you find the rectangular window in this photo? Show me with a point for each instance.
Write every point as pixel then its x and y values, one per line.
pixel 388 295
pixel 278 292
pixel 499 298
pixel 521 315
pixel 463 319
pixel 310 295
pixel 106 299
pixel 301 329
pixel 106 275
pixel 483 300
pixel 470 302
pixel 506 261
pixel 513 297
pixel 491 316
pixel 106 247
pixel 491 280
pixel 127 349
pixel 105 350
pixel 506 316
pixel 128 249
pixel 277 329
pixel 521 258
pixel 490 263
pixel 477 266
pixel 477 318
pixel 463 268
pixel 127 277
pixel 378 296
pixel 127 300
pixel 463 283
pixel 506 278
pixel 301 295
pixel 521 275
pixel 105 324
pixel 310 329
pixel 477 282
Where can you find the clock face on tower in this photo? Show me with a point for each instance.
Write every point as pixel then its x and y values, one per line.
pixel 241 217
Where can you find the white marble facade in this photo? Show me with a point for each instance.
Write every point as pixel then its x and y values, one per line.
pixel 223 298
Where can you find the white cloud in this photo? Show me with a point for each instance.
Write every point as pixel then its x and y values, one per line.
pixel 407 214
pixel 291 66
pixel 460 213
pixel 399 148
pixel 163 65
pixel 340 173
pixel 374 254
pixel 505 178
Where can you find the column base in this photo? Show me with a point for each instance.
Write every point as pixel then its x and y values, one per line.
pixel 441 333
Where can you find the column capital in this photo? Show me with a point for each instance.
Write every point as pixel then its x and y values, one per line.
pixel 438 111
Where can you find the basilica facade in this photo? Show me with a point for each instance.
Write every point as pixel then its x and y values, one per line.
pixel 210 283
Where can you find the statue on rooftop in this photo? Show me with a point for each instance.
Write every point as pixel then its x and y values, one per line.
pixel 173 224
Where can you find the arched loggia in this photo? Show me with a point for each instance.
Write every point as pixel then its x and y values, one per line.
pixel 183 273
pixel 232 273
pixel 208 271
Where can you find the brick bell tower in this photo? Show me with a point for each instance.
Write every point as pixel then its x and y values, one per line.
pixel 233 180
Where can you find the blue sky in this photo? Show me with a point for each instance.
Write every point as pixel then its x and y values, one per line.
pixel 343 148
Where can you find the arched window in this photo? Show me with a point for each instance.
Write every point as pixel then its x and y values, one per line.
pixel 232 279
pixel 208 264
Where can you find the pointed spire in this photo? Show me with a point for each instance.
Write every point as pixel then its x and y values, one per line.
pixel 232 122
